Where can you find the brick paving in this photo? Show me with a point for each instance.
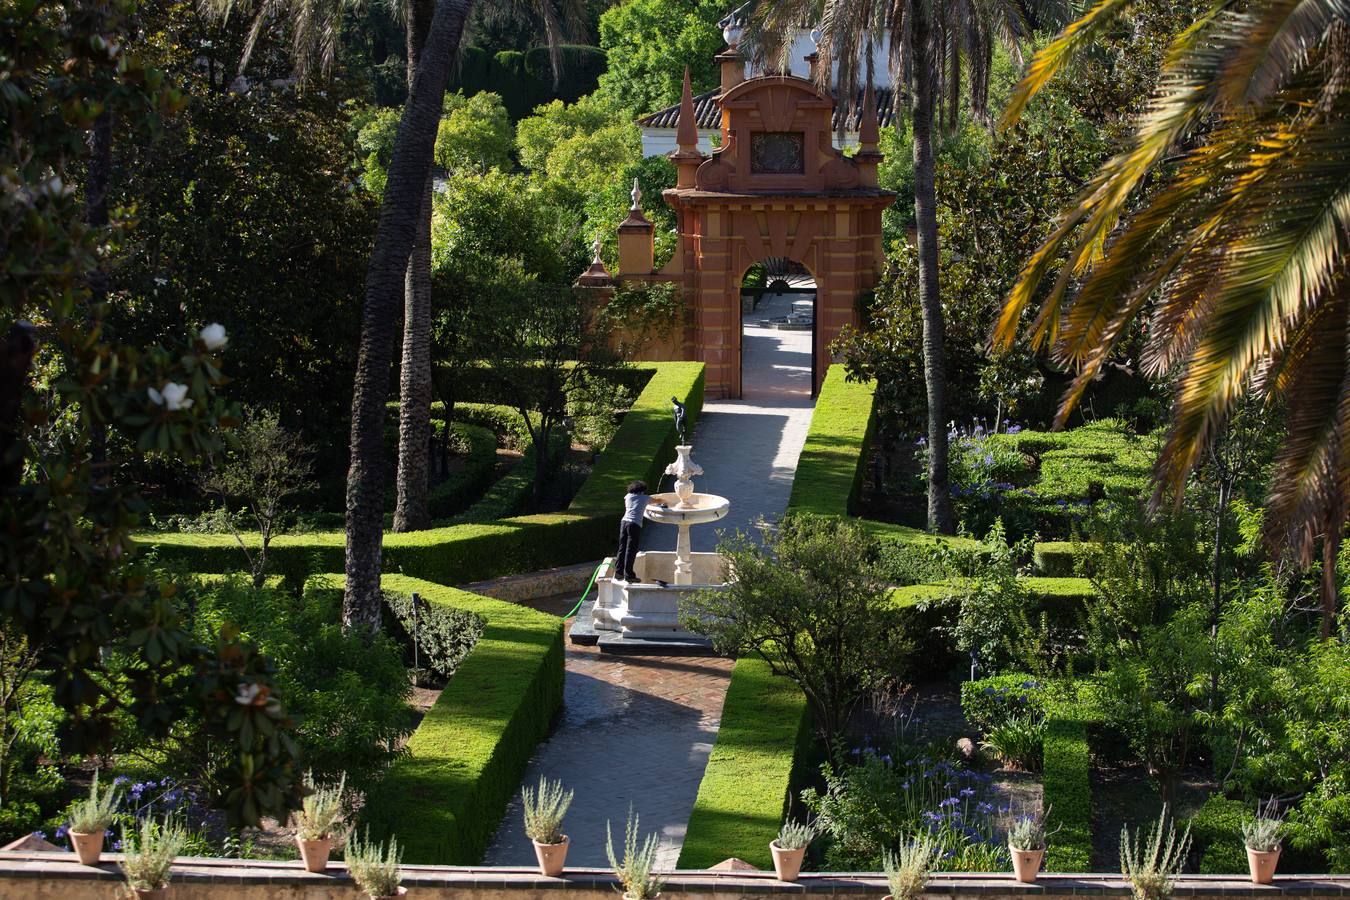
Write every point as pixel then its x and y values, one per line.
pixel 633 730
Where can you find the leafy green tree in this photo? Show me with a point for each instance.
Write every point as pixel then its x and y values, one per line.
pixel 475 132
pixel 77 406
pixel 556 121
pixel 248 216
pixel 810 601
pixel 1238 169
pixel 266 465
pixel 648 44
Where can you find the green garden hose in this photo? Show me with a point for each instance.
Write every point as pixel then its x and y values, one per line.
pixel 587 593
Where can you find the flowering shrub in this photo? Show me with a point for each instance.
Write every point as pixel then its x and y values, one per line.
pixel 989 703
pixel 876 800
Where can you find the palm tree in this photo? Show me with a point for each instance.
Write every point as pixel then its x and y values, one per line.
pixel 926 40
pixel 1226 220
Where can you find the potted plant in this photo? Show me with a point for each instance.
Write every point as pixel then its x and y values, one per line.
pixel 315 823
pixel 1026 845
pixel 544 810
pixel 89 820
pixel 789 848
pixel 148 852
pixel 1263 834
pixel 907 870
pixel 375 869
pixel 634 871
pixel 1151 863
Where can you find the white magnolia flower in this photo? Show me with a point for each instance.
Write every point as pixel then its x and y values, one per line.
pixel 213 336
pixel 248 694
pixel 173 397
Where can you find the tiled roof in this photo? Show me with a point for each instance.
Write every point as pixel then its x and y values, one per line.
pixel 709 116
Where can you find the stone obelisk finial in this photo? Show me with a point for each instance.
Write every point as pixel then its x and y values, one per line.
pixel 687 158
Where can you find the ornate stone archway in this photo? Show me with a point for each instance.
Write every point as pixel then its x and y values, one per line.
pixel 776 187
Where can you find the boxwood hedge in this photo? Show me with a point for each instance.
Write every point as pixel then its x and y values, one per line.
pixel 445 797
pixel 744 793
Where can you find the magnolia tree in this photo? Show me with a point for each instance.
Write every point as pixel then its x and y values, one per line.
pixel 76 406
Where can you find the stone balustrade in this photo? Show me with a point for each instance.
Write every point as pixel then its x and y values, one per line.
pixel 48 876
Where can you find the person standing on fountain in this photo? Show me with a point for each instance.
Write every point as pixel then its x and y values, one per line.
pixel 630 530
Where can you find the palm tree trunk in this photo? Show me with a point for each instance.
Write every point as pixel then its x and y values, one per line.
pixel 394 240
pixel 414 408
pixel 927 59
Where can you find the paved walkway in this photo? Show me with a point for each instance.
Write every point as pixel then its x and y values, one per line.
pixel 639 729
pixel 634 730
pixel 748 448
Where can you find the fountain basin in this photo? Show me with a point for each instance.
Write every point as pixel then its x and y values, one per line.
pixel 697 510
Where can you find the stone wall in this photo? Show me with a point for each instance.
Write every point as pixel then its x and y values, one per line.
pixel 48 876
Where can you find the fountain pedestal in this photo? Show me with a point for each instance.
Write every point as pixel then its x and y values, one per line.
pixel 643 617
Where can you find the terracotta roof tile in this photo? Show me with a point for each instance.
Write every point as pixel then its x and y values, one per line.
pixel 710 116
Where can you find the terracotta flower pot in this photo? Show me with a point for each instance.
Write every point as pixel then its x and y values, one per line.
pixel 1026 863
pixel 628 896
pixel 315 853
pixel 150 893
pixel 401 892
pixel 1262 864
pixel 787 864
pixel 88 847
pixel 552 857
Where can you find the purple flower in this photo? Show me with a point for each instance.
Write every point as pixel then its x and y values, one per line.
pixel 949 802
pixel 984 808
pixel 108 833
pixel 1015 429
pixel 967 792
pixel 117 845
pixel 120 780
pixel 40 834
pixel 62 831
pixel 989 692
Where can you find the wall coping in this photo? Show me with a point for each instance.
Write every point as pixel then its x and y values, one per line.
pixel 63 866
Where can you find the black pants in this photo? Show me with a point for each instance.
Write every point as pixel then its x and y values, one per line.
pixel 630 535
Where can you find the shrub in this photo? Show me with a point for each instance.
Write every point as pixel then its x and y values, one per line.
pixel 990 703
pixel 443 635
pixel 834 457
pixel 347 693
pixel 446 795
pixel 908 868
pixel 544 810
pixel 796 835
pixel 1151 863
pixel 148 852
pixel 321 810
pixel 744 794
pixel 95 814
pixel 634 869
pixel 1216 831
pixel 1068 788
pixel 373 867
pixel 1018 743
pixel 877 800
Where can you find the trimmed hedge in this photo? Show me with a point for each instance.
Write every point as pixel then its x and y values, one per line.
pixel 834 458
pixel 445 797
pixel 1067 787
pixel 471 479
pixel 744 793
pixel 1216 831
pixel 459 554
pixel 1059 558
pixel 510 492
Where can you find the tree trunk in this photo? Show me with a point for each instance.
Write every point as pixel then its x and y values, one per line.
pixel 1331 550
pixel 925 69
pixel 394 239
pixel 414 408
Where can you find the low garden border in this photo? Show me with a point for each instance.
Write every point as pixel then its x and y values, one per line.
pixel 744 793
pixel 459 554
pixel 445 796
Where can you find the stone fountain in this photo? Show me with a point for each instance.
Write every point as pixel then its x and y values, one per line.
pixel 643 617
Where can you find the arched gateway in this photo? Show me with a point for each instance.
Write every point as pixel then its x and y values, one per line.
pixel 776 187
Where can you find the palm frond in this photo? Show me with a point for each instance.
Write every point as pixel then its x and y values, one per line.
pixel 1266 45
pixel 1059 52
